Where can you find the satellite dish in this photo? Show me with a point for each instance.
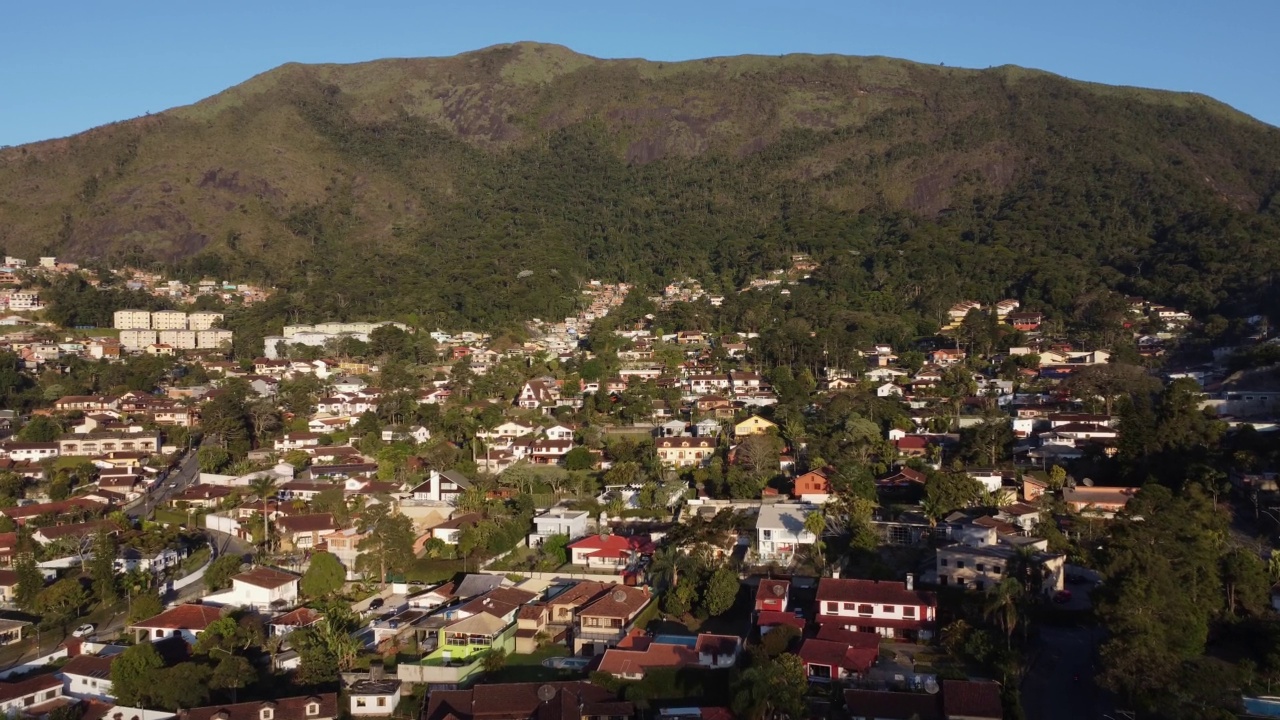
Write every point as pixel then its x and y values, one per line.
pixel 778 591
pixel 619 596
pixel 931 686
pixel 546 692
pixel 1088 482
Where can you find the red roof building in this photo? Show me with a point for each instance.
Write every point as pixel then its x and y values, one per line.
pixel 187 621
pixel 771 595
pixel 889 609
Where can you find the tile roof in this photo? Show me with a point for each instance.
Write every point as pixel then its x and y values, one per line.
pixel 770 589
pixel 518 701
pixel 183 617
pixel 769 618
pixel 620 601
pixel 13 690
pixel 301 617
pixel 717 644
pixel 888 705
pixel 884 592
pixel 972 699
pixel 291 708
pixel 89 666
pixel 265 577
pixel 656 655
pixel 836 655
pixel 306 523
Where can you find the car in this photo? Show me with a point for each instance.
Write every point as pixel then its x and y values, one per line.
pixel 172 485
pixel 1062 596
pixel 84 630
pixel 376 603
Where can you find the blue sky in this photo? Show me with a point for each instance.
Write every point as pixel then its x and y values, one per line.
pixel 68 66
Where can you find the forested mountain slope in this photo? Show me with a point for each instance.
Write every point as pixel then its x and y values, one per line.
pixel 428 186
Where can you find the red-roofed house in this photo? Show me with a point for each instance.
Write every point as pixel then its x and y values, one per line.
pixel 813 486
pixel 608 552
pixel 889 609
pixel 912 446
pixel 771 595
pixel 836 654
pixel 186 621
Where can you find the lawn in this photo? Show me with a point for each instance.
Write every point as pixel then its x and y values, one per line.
pixel 167 516
pixel 528 668
pixel 428 570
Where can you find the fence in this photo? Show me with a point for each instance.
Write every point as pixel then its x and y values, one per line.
pixel 33 664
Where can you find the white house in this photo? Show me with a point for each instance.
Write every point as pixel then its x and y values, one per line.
pixel 990 480
pixel 186 621
pixel 559 432
pixel 441 487
pixel 373 698
pixel 262 589
pixel 889 609
pixel 888 390
pixel 29 696
pixel 780 531
pixel 88 677
pixel 559 521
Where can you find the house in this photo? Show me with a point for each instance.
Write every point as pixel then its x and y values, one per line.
pixel 813 486
pixel 450 531
pixel 944 357
pixel 684 451
pixel 531 622
pixel 1102 502
pixel 971 700
pixel 780 532
pixel 754 425
pixel 201 496
pixel 441 487
pixel 284 624
pixel 955 699
pixel 538 394
pixel 603 622
pixel 982 568
pixel 306 707
pixel 88 677
pixel 772 595
pixel 912 446
pixel 889 609
pixel 32 696
pixel 888 390
pixel 837 654
pixel 608 552
pixel 632 658
pixel 901 478
pixel 186 621
pixel 559 521
pixel 261 589
pixel 373 698
pixel 30 451
pixel 1033 488
pixel 707 428
pixel 297 441
pixel 303 532
pixel 576 699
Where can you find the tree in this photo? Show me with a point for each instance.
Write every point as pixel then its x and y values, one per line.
pixel 1245 580
pixel 212 458
pixel 324 576
pixel 773 688
pixel 1004 604
pixel 264 487
pixel 135 675
pixel 184 685
pixel 759 455
pixel 579 458
pixel 387 545
pixel 219 573
pixel 232 672
pixel 102 567
pixel 721 592
pixel 30 581
pixel 945 492
pixel 779 640
pixel 556 547
pixel 495 660
pixel 41 428
pixel 1111 380
pixel 62 601
pixel 145 605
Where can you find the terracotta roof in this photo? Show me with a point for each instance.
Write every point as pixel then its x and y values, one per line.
pixel 772 589
pixel 881 592
pixel 656 655
pixel 580 594
pixel 620 602
pixel 901 477
pixel 498 602
pixel 12 691
pixel 77 530
pixel 291 708
pixel 769 618
pixel 531 612
pixel 893 705
pixel 610 542
pixel 306 523
pixel 972 699
pixel 717 644
pixel 8 578
pixel 183 617
pixel 265 577
pixel 301 617
pixel 517 701
pixel 837 655
pixel 89 666
pixel 462 521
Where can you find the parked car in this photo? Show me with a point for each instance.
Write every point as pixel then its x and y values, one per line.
pixel 84 630
pixel 376 603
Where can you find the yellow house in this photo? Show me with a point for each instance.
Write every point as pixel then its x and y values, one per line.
pixel 754 425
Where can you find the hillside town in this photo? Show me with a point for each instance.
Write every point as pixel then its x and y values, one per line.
pixel 614 515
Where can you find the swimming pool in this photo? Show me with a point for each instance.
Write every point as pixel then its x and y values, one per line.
pixel 685 640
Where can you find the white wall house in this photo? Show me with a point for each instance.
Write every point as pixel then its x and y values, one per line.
pixel 780 531
pixel 559 521
pixel 262 589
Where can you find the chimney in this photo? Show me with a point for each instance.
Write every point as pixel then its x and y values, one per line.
pixel 835 572
pixel 911 581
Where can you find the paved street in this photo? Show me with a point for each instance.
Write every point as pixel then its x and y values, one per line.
pixel 181 478
pixel 1060 684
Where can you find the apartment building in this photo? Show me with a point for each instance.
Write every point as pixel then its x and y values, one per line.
pixel 132 320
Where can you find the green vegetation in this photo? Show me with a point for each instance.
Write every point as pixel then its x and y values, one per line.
pixel 912 185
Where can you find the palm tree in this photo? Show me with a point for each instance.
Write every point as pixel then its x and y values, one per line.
pixel 264 486
pixel 816 524
pixel 1004 603
pixel 667 565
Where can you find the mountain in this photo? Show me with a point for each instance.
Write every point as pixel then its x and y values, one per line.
pixel 482 188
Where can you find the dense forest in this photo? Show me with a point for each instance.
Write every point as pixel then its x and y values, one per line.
pixel 483 189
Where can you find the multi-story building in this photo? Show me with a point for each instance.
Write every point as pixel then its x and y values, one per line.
pixel 780 531
pixel 24 301
pixel 179 339
pixel 981 568
pixel 168 320
pixel 88 444
pixel 203 320
pixel 889 609
pixel 134 340
pixel 213 339
pixel 132 320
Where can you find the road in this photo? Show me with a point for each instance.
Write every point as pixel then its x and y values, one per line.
pixel 180 478
pixel 1060 684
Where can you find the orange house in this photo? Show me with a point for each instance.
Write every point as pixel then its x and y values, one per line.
pixel 813 486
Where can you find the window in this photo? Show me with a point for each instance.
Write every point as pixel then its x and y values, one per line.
pixel 313 709
pixel 981 585
pixel 848 607
pixel 767 534
pixel 866 610
pixel 382 702
pixel 890 609
pixel 265 714
pixel 981 567
pixel 942 580
pixel 995 569
pixel 942 562
pixel 909 611
pixel 360 702
pixel 960 564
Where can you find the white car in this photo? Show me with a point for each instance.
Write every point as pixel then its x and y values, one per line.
pixel 84 630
